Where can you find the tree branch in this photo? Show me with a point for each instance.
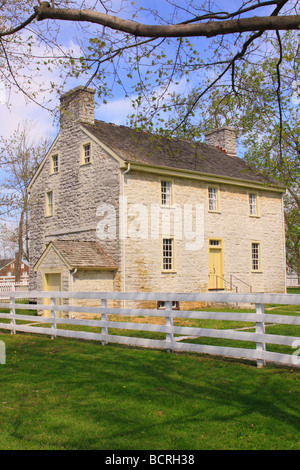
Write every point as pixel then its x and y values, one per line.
pixel 208 29
pixel 30 97
pixel 18 28
pixel 225 15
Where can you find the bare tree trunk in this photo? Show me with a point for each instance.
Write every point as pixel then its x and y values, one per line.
pixel 20 245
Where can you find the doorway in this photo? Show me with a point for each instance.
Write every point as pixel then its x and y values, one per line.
pixel 215 265
pixel 52 283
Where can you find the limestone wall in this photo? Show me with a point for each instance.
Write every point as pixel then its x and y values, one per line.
pixel 231 224
pixel 78 190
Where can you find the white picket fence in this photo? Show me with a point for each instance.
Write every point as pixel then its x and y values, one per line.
pixel 13 286
pixel 170 342
pixel 292 280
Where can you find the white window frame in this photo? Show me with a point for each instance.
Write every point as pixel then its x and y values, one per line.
pixel 168 255
pixel 166 192
pixel 253 208
pixel 54 167
pixel 213 202
pixel 86 159
pixel 256 257
pixel 49 209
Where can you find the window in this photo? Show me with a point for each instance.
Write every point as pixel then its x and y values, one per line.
pixel 86 157
pixel 252 204
pixel 168 254
pixel 162 305
pixel 255 253
pixel 214 242
pixel 213 199
pixel 49 203
pixel 54 164
pixel 166 193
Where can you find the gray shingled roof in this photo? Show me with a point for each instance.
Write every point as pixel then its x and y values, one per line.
pixel 84 254
pixel 141 147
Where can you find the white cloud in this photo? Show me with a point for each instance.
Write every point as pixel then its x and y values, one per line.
pixel 115 111
pixel 18 108
pixel 15 107
pixel 19 111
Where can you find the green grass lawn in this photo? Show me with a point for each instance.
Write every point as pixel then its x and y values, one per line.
pixel 293 290
pixel 70 394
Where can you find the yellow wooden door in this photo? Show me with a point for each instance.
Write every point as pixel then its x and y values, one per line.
pixel 215 265
pixel 52 284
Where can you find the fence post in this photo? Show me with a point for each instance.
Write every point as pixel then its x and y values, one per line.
pixel 104 330
pixel 12 312
pixel 260 328
pixel 53 315
pixel 169 322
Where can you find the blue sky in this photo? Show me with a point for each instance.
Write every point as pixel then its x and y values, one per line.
pixel 116 110
pixel 14 108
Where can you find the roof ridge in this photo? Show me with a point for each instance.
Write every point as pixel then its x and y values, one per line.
pixel 171 137
pixel 175 153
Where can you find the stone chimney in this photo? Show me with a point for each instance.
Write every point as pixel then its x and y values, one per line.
pixel 223 138
pixel 77 105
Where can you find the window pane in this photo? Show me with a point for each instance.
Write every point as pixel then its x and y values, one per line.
pixel 252 204
pixel 87 153
pixel 49 207
pixel 162 304
pixel 255 256
pixel 212 199
pixel 167 254
pixel 166 193
pixel 55 163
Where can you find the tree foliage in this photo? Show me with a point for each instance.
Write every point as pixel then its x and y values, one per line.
pixel 136 49
pixel 266 115
pixel 19 159
pixel 186 66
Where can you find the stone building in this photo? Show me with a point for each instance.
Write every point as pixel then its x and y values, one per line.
pixel 113 208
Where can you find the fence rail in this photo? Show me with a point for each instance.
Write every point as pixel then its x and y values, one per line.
pixel 11 287
pixel 170 342
pixel 293 281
